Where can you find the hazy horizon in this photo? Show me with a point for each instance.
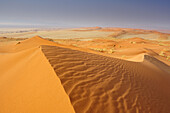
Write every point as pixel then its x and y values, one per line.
pixel 144 14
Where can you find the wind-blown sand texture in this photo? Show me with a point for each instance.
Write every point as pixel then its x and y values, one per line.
pixel 39 76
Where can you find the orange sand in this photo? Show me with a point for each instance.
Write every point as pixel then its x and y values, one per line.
pixel 39 76
pixel 28 83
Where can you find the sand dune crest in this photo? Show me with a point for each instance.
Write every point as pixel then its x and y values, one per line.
pixel 40 76
pixel 98 84
pixel 28 84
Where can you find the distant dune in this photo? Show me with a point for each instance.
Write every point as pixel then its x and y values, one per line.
pixel 86 33
pixel 40 76
pixel 132 49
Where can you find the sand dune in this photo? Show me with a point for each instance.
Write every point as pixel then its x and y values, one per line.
pixel 41 76
pixel 97 84
pixel 28 83
pixel 85 33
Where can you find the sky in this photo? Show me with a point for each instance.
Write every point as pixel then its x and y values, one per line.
pixel 149 14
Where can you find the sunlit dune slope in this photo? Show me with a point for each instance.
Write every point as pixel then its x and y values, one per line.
pixel 28 83
pixel 39 76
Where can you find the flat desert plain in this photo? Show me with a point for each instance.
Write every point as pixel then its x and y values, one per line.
pixel 85 70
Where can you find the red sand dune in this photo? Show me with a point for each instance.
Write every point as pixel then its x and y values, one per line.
pixel 39 76
pixel 87 29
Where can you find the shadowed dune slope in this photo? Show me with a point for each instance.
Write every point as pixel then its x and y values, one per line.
pixel 39 76
pixel 100 84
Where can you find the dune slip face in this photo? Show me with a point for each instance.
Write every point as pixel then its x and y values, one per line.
pixel 28 83
pixel 100 84
pixel 39 76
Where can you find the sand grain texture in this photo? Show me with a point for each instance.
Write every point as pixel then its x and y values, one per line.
pixel 39 76
pixel 100 84
pixel 28 83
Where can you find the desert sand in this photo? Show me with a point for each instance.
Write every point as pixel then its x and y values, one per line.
pixel 84 33
pixel 93 76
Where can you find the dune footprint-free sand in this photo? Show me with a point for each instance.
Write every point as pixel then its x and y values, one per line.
pixel 41 76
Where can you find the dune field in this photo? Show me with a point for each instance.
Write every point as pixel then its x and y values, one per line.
pixel 116 71
pixel 84 33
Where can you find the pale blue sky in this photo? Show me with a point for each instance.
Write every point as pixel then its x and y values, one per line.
pixel 82 13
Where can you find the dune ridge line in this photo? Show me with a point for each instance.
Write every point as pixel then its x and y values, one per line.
pixel 100 84
pixel 65 79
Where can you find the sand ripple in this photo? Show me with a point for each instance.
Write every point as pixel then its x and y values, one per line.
pixel 100 84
